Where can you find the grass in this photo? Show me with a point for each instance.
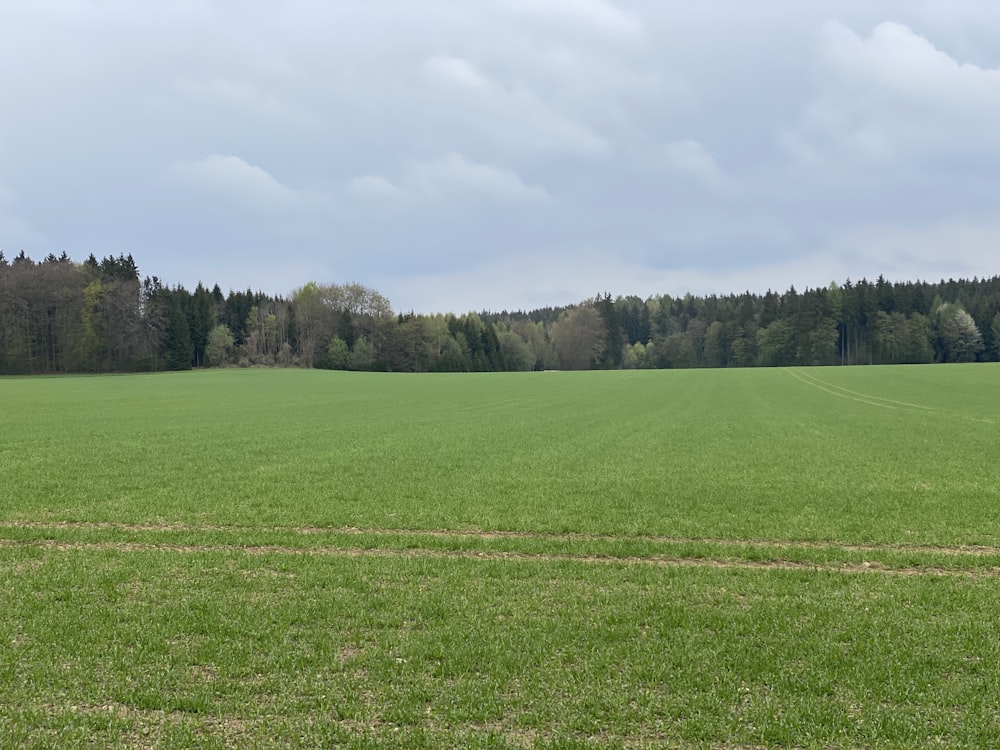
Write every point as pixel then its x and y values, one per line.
pixel 712 559
pixel 735 454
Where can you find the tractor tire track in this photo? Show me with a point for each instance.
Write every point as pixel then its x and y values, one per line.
pixel 663 561
pixel 488 535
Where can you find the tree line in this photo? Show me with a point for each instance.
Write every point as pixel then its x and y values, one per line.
pixel 60 316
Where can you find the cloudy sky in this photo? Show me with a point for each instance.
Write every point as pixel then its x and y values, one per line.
pixel 505 154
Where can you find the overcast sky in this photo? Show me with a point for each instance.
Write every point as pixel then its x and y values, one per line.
pixel 505 154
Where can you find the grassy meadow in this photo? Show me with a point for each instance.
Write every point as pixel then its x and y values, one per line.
pixel 683 559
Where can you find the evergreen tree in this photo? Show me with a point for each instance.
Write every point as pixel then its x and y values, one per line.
pixel 200 308
pixel 614 340
pixel 178 350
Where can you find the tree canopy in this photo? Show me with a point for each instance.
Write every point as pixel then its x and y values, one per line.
pixel 58 315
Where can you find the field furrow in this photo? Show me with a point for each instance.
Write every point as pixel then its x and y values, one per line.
pixel 313 531
pixel 415 552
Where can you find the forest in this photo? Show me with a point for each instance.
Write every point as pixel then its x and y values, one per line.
pixel 62 316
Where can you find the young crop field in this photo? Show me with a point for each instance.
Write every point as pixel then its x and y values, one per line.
pixel 716 559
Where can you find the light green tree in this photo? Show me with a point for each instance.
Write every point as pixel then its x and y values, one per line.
pixel 338 355
pixel 362 355
pixel 220 346
pixel 959 338
pixel 514 351
pixel 776 344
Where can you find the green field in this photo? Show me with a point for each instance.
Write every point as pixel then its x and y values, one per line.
pixel 688 559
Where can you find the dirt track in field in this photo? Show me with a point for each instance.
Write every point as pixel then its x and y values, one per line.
pixel 665 561
pixel 971 550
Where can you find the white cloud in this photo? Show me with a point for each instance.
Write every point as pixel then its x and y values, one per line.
pixel 688 157
pixel 895 59
pixel 454 177
pixel 596 17
pixel 892 99
pixel 450 180
pixel 372 186
pixel 514 114
pixel 233 179
pixel 454 70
